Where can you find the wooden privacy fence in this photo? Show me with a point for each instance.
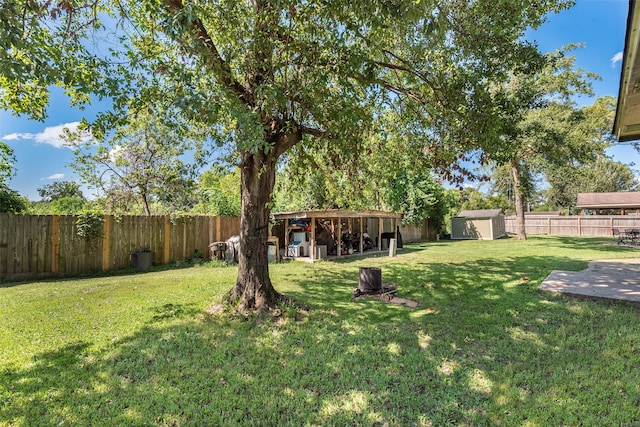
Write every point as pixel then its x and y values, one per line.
pixel 595 225
pixel 416 233
pixel 32 245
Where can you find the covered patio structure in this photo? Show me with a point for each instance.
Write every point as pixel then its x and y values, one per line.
pixel 627 202
pixel 324 227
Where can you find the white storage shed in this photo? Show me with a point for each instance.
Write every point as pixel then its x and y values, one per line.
pixel 484 224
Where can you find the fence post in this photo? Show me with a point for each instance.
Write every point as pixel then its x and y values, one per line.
pixel 579 226
pixel 218 229
pixel 106 242
pixel 211 230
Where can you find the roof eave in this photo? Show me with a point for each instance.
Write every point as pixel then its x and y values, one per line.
pixel 632 40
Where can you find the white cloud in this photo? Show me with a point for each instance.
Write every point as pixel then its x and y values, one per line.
pixel 16 136
pixel 115 153
pixel 50 135
pixel 616 58
pixel 55 176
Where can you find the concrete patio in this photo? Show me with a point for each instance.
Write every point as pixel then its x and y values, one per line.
pixel 614 279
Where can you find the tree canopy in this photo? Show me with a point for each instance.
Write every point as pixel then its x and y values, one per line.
pixel 60 189
pixel 540 125
pixel 142 161
pixel 603 175
pixel 218 191
pixel 10 200
pixel 264 76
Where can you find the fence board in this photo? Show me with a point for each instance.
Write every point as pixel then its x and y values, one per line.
pixel 413 233
pixel 45 249
pixel 16 246
pixel 4 244
pixel 229 226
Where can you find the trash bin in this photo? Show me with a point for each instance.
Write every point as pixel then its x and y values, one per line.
pixel 142 261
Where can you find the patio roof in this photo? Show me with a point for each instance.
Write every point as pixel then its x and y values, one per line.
pixel 336 213
pixel 621 200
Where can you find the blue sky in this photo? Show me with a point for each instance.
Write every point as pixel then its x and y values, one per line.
pixel 600 24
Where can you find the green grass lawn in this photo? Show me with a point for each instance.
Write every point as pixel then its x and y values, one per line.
pixel 483 348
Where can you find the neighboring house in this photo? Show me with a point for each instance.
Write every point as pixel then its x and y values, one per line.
pixel 626 202
pixel 484 224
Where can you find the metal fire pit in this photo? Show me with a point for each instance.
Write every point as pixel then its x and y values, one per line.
pixel 370 280
pixel 370 283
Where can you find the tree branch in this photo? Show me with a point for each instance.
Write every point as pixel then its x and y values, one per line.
pixel 212 56
pixel 313 131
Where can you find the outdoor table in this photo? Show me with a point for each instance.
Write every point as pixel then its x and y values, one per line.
pixel 631 236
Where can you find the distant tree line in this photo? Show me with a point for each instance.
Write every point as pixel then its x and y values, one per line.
pixel 141 171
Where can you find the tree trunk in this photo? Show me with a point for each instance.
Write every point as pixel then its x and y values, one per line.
pixel 253 289
pixel 145 204
pixel 521 232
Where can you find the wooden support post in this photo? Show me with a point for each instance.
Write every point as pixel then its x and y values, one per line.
pixel 286 238
pixel 395 229
pixel 312 244
pixel 361 237
pixel 106 243
pixel 339 237
pixel 55 244
pixel 380 228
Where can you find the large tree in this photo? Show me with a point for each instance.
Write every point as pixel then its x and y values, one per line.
pixel 139 163
pixel 540 123
pixel 264 76
pixel 597 173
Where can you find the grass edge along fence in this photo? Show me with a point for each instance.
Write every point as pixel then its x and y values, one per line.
pixel 588 226
pixel 37 245
pixel 67 245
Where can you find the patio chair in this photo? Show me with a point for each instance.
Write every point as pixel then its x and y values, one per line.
pixel 620 235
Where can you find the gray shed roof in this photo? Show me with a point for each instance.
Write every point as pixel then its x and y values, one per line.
pixel 627 200
pixel 480 213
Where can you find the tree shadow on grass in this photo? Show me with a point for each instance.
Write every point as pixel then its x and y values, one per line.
pixel 484 348
pixel 384 254
pixel 605 244
pixel 509 340
pixel 219 372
